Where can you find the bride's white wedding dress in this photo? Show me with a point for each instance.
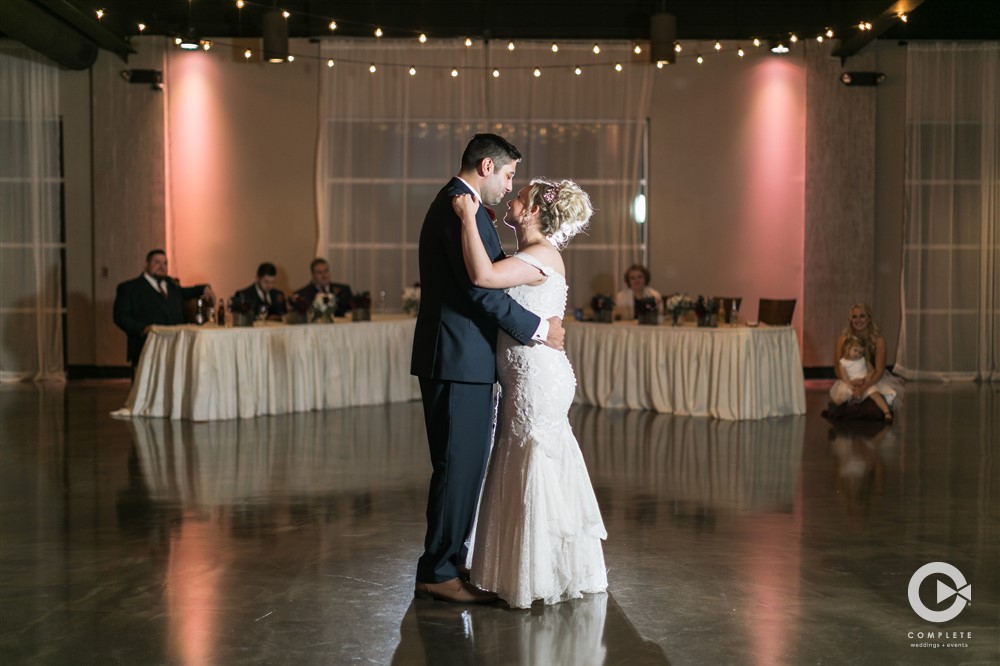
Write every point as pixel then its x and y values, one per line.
pixel 538 531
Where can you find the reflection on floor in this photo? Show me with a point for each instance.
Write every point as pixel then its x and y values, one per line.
pixel 293 539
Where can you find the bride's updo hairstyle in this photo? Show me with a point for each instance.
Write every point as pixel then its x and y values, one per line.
pixel 564 209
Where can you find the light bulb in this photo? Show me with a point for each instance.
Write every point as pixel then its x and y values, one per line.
pixel 829 33
pixel 819 38
pixel 510 46
pixel 372 68
pixel 718 46
pixel 422 38
pixel 660 64
pixel 454 73
pixel 618 67
pixel 678 48
pixel 333 25
pixel 699 59
pixel 413 71
pixel 793 39
pixel 555 47
pixel 285 14
pixel 597 49
pixel 496 73
pixel 330 63
pixel 100 14
pixel 142 27
pixel 637 49
pixel 247 54
pixel 740 52
pixel 291 58
pixel 578 71
pixel 240 4
pixel 537 72
pixel 378 32
pixel 468 41
pixel 756 42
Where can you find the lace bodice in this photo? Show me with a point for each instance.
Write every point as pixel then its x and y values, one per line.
pixel 547 299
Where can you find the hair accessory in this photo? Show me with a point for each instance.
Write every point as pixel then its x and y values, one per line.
pixel 550 194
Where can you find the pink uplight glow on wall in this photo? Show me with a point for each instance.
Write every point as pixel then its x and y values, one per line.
pixel 197 150
pixel 773 201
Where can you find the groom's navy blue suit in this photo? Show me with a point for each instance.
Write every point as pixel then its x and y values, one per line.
pixel 454 356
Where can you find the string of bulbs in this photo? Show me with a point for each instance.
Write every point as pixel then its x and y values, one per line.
pixel 379 31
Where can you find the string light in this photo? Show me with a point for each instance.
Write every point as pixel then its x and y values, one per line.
pixel 142 27
pixel 330 63
pixel 247 54
pixel 422 38
pixel 240 4
pixel 578 71
pixel 100 14
pixel 537 72
pixel 285 14
pixel 637 49
pixel 829 33
pixel 332 26
pixel 555 47
pixel 510 46
pixel 699 59
pixel 205 44
pixel 903 17
pixel 291 58
pixel 618 67
pixel 660 64
pixel 496 73
pixel 793 39
pixel 740 52
pixel 597 49
pixel 454 72
pixel 468 41
pixel 756 41
pixel 718 46
pixel 378 33
pixel 372 68
pixel 177 41
pixel 413 71
pixel 677 47
pixel 819 38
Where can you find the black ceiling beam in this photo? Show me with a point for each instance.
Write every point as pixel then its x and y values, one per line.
pixel 882 23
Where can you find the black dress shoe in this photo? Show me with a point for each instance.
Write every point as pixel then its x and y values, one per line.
pixel 454 591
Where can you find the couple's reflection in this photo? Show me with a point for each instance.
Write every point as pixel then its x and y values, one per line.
pixel 583 632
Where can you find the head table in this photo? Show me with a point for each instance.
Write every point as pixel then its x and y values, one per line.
pixel 729 372
pixel 208 373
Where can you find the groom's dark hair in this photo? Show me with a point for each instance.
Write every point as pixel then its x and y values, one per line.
pixel 495 147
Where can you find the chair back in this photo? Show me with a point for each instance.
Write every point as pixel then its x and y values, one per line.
pixel 776 311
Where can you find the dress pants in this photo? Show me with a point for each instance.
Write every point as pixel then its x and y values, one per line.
pixel 459 419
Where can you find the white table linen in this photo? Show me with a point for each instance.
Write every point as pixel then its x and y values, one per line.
pixel 727 372
pixel 210 373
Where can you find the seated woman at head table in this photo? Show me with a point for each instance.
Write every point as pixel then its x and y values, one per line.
pixel 637 281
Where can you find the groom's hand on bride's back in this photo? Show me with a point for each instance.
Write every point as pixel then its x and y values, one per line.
pixel 557 334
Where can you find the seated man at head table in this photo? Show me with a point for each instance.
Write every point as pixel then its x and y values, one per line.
pixel 321 284
pixel 153 298
pixel 262 296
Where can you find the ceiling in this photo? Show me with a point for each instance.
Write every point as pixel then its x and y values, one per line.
pixel 545 19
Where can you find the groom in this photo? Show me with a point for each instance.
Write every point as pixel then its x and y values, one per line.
pixel 454 349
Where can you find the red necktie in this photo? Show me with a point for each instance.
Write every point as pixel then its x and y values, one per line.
pixel 163 288
pixel 489 211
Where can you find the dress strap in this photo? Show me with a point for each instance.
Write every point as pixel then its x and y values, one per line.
pixel 531 261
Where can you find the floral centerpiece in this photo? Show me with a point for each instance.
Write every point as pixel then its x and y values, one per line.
pixel 322 308
pixel 361 306
pixel 411 299
pixel 677 304
pixel 647 310
pixel 707 310
pixel 603 307
pixel 297 311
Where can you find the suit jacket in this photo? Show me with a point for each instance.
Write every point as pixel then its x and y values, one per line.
pixel 138 305
pixel 249 295
pixel 341 291
pixel 456 332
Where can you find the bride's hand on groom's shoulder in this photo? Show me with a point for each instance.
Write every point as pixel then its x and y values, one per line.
pixel 465 206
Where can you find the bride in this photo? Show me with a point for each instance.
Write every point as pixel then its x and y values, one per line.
pixel 538 531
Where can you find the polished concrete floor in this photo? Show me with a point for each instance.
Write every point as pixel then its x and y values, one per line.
pixel 293 539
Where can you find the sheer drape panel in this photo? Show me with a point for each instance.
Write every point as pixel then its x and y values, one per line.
pixel 392 139
pixel 31 244
pixel 950 293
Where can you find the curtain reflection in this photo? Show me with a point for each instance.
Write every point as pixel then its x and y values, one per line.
pixel 585 632
pixel 708 463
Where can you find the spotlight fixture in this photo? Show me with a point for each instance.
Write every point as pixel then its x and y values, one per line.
pixel 778 47
pixel 274 35
pixel 151 77
pixel 662 38
pixel 862 78
pixel 189 40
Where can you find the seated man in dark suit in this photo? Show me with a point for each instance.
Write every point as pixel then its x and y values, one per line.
pixel 152 298
pixel 321 283
pixel 262 295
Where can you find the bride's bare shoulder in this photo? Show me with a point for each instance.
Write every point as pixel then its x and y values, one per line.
pixel 547 256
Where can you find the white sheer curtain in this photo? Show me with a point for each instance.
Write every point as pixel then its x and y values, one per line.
pixel 951 245
pixel 31 247
pixel 390 140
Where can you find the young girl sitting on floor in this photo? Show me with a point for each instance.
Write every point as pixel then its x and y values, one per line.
pixel 852 369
